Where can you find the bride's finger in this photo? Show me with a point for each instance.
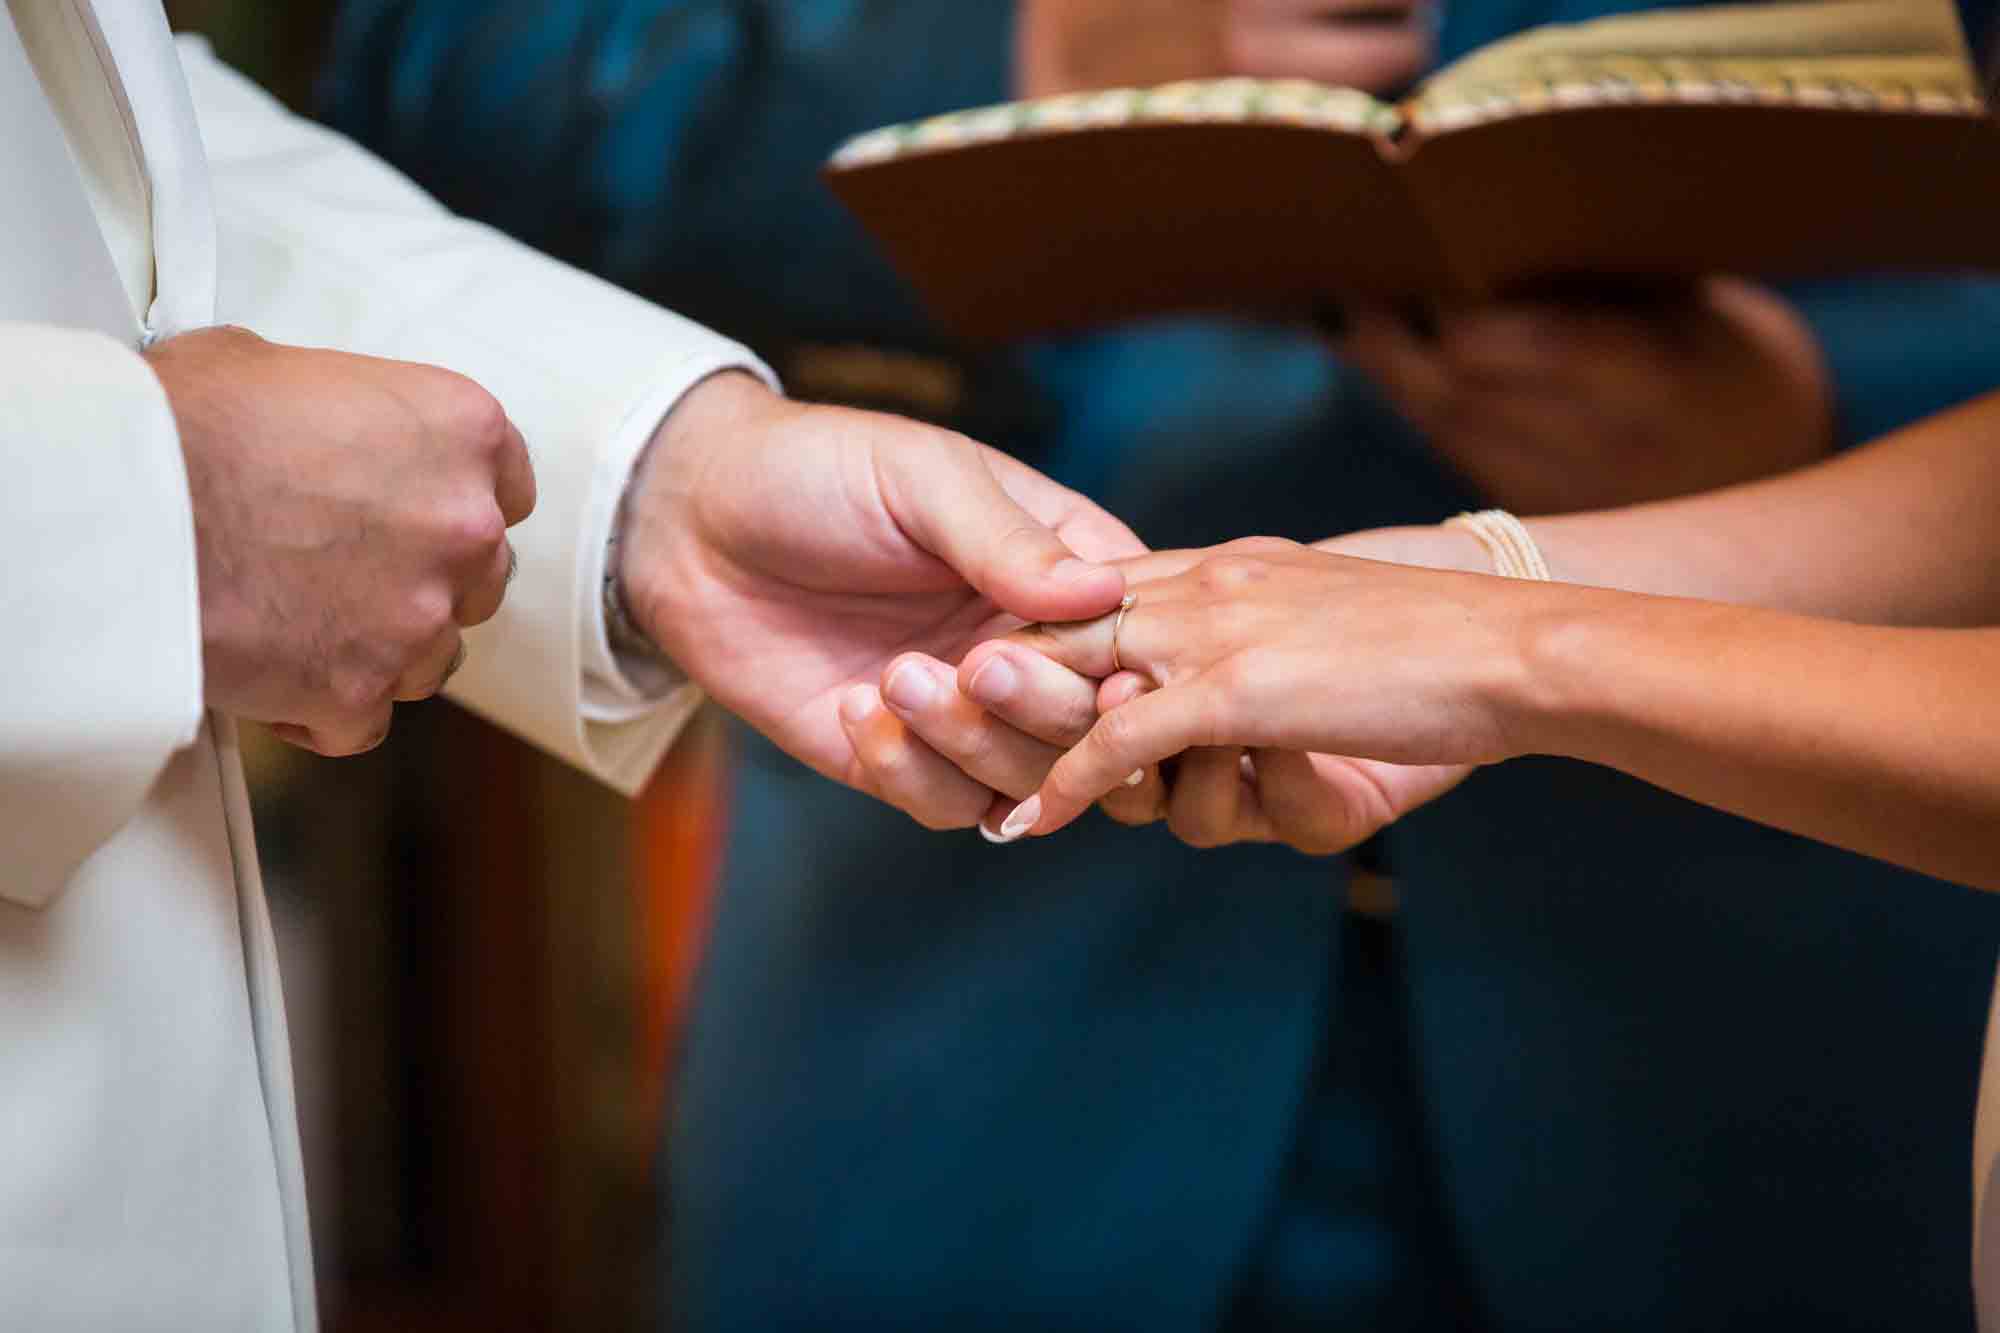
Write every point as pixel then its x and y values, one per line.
pixel 1208 804
pixel 1302 811
pixel 1152 727
pixel 1143 801
pixel 1082 646
pixel 1119 690
pixel 1138 637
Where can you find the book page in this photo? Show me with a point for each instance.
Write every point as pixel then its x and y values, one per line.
pixel 1238 101
pixel 1905 55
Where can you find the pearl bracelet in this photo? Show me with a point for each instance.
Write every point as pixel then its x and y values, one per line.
pixel 1506 539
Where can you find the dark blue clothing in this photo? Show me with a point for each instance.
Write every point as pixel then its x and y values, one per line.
pixel 1621 1063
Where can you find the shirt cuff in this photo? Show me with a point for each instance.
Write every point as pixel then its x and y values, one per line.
pixel 617 687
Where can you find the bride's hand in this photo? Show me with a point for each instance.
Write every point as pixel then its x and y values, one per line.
pixel 1003 726
pixel 1273 646
pixel 1320 804
pixel 1017 712
pixel 1010 738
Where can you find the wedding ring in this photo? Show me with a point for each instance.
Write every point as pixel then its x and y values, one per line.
pixel 1116 625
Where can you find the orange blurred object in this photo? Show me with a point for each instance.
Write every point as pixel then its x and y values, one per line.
pixel 680 824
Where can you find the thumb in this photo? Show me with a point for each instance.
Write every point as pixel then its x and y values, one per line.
pixel 950 503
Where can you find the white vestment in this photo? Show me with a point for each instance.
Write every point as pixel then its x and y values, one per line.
pixel 149 1163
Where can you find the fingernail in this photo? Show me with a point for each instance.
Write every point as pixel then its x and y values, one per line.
pixel 995 682
pixel 857 705
pixel 911 688
pixel 1137 777
pixel 997 839
pixel 1024 817
pixel 1075 571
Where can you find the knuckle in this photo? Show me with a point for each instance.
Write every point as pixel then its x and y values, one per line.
pixel 963 741
pixel 1248 675
pixel 880 764
pixel 479 601
pixel 475 416
pixel 474 530
pixel 892 769
pixel 1261 546
pixel 427 613
pixel 362 691
pixel 1230 573
pixel 976 745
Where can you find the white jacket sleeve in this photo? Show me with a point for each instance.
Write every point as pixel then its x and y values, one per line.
pixel 323 245
pixel 100 680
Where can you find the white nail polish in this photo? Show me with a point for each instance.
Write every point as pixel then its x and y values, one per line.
pixel 997 839
pixel 1138 776
pixel 1023 818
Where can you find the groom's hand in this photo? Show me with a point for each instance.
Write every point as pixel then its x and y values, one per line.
pixel 783 554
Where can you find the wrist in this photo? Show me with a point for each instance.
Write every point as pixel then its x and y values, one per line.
pixel 665 530
pixel 1579 663
pixel 1429 547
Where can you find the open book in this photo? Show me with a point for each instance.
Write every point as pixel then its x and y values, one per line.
pixel 1771 139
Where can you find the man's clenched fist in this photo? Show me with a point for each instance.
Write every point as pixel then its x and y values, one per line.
pixel 350 517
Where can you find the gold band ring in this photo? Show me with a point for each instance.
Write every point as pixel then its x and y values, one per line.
pixel 1116 625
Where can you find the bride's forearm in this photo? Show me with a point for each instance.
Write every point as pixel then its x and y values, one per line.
pixel 1884 741
pixel 1899 532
